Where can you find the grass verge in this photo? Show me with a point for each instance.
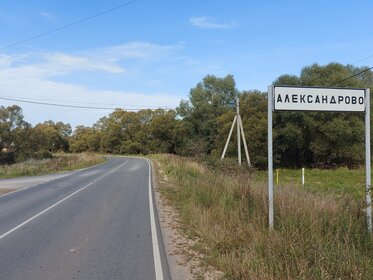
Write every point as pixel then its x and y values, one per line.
pixel 339 181
pixel 316 236
pixel 61 162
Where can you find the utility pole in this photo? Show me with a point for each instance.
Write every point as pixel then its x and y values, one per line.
pixel 240 132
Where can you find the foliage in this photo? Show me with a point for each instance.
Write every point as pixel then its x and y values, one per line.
pixel 300 139
pixel 20 141
pixel 200 125
pixel 253 110
pixel 207 102
pixel 85 139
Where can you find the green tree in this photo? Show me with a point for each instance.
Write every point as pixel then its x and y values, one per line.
pixel 56 135
pixel 120 127
pixel 207 102
pixel 85 139
pixel 161 131
pixel 11 123
pixel 253 111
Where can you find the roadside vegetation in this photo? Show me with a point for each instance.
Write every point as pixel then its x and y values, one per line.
pixel 317 235
pixel 58 163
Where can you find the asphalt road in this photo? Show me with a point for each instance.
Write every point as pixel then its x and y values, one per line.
pixel 98 223
pixel 27 181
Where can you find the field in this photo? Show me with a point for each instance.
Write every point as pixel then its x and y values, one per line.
pixel 319 233
pixel 60 162
pixel 339 181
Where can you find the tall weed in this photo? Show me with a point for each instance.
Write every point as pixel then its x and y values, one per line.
pixel 316 236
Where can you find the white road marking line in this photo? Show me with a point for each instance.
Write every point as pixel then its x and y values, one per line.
pixel 156 251
pixel 59 202
pixel 15 191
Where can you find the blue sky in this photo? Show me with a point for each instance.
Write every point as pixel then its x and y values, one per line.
pixel 151 53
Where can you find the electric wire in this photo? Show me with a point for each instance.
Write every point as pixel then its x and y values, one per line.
pixel 30 101
pixel 69 25
pixel 69 101
pixel 76 106
pixel 353 63
pixel 352 76
pixel 362 59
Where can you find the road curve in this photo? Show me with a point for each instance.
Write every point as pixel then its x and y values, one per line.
pixel 93 224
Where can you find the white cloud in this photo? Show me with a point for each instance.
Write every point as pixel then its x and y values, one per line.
pixel 209 23
pixel 133 50
pixel 29 75
pixel 106 60
pixel 47 15
pixel 55 92
pixel 52 64
pixel 5 61
pixel 68 63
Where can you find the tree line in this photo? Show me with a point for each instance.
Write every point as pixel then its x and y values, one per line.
pixel 200 125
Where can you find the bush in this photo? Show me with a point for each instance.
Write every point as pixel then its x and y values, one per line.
pixel 7 158
pixel 129 147
pixel 42 155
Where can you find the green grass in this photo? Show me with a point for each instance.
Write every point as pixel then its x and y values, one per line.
pixel 339 181
pixel 318 235
pixel 60 162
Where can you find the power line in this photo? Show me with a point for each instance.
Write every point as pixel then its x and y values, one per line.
pixel 68 101
pixel 74 106
pixel 69 25
pixel 345 79
pixel 362 59
pixel 56 104
pixel 338 82
pixel 353 63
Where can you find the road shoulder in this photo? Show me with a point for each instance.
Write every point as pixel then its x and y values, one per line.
pixel 14 184
pixel 184 262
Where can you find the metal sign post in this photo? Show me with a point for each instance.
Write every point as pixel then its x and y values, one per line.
pixel 270 158
pixel 288 98
pixel 367 161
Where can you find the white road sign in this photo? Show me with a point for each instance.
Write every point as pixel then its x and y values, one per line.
pixel 286 98
pixel 319 99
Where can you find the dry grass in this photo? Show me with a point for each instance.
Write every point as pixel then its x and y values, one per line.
pixel 62 162
pixel 315 236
